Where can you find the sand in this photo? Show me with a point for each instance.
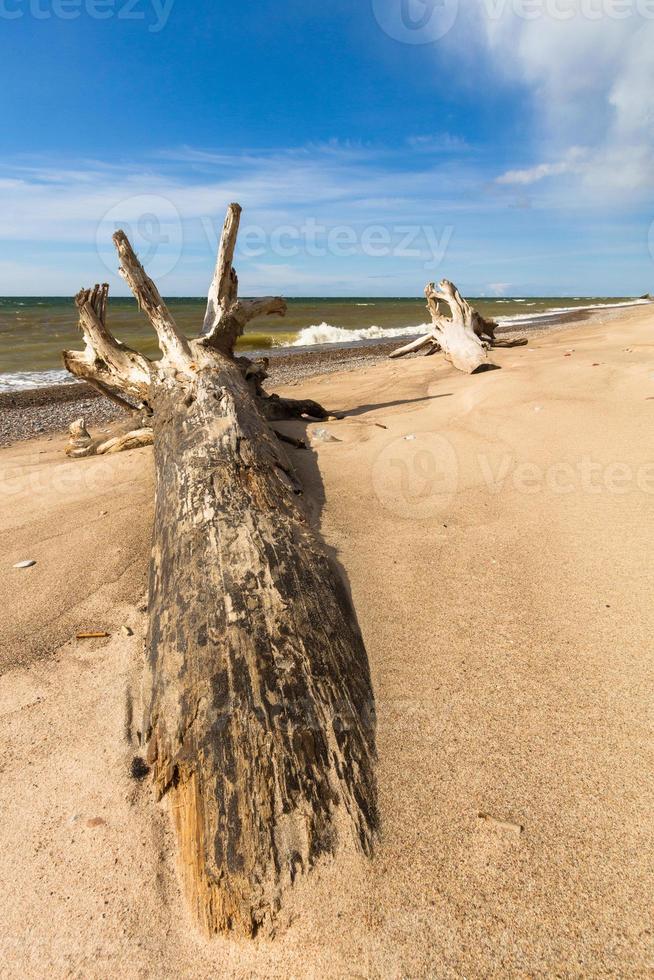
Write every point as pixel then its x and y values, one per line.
pixel 497 537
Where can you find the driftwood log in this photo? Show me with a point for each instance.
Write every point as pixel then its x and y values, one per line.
pixel 258 711
pixel 464 338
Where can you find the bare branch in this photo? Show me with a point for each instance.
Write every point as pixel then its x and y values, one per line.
pixel 174 346
pixel 106 363
pixel 226 315
pixel 414 346
pixel 224 285
pixel 81 444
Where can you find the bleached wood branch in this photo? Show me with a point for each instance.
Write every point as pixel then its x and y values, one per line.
pixel 106 363
pixel 174 346
pixel 414 346
pixel 224 285
pixel 227 316
pixel 81 444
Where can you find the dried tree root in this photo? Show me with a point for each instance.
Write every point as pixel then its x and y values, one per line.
pixel 464 338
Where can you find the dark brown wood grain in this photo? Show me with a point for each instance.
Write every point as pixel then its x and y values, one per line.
pixel 258 712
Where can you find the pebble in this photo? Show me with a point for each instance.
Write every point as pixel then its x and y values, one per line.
pixel 324 435
pixel 126 631
pixel 514 828
pixel 25 564
pixel 33 413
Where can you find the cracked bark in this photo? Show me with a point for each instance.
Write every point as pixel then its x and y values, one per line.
pixel 258 710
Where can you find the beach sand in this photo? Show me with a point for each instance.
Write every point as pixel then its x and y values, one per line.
pixel 497 536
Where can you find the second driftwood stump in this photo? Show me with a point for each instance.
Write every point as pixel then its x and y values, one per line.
pixel 464 337
pixel 259 716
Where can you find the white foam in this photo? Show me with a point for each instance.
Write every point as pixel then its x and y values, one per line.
pixel 322 334
pixel 325 333
pixel 558 310
pixel 23 380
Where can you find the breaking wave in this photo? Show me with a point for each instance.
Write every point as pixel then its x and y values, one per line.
pixel 325 333
pixel 20 380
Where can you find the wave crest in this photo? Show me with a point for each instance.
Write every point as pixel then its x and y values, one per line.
pixel 326 333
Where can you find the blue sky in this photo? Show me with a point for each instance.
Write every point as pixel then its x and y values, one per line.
pixel 374 144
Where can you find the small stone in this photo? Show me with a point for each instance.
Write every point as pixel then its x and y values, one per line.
pixel 138 768
pixel 25 564
pixel 126 631
pixel 324 435
pixel 96 822
pixel 514 828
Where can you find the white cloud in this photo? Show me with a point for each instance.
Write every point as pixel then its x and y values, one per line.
pixel 533 175
pixel 590 67
pixel 573 164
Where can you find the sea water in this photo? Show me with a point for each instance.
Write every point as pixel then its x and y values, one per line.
pixel 35 330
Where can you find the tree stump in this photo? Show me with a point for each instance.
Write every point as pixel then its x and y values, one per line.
pixel 258 708
pixel 464 337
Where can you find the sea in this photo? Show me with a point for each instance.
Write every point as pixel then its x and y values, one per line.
pixel 35 330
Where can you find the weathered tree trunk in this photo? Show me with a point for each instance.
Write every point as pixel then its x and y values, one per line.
pixel 258 709
pixel 464 337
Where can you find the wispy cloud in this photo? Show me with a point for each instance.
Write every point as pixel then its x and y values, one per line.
pixel 575 162
pixel 172 204
pixel 590 72
pixel 338 219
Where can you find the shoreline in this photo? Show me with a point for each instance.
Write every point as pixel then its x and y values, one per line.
pixel 32 413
